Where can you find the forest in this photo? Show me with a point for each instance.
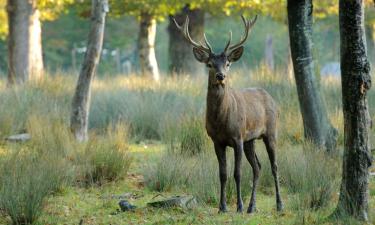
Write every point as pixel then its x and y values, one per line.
pixel 187 112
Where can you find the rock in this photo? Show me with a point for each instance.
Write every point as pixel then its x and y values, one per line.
pixel 19 138
pixel 186 202
pixel 126 206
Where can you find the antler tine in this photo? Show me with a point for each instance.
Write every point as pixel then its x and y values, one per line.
pixel 184 29
pixel 207 43
pixel 228 43
pixel 248 25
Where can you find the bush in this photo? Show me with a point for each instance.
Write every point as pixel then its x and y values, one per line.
pixel 26 179
pixel 105 158
pixel 312 175
pixel 197 174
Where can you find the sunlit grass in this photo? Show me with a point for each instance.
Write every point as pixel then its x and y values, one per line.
pixel 168 115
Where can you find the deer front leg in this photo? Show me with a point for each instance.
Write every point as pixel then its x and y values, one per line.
pixel 237 173
pixel 222 159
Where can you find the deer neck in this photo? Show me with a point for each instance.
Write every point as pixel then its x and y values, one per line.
pixel 217 100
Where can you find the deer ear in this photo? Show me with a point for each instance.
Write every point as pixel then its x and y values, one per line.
pixel 200 55
pixel 235 54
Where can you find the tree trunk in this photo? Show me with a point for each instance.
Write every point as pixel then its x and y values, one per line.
pixel 25 59
pixel 181 58
pixel 82 95
pixel 317 127
pixel 146 47
pixel 355 81
pixel 268 53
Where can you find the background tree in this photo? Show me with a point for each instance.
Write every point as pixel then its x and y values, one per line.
pixel 147 12
pixel 355 81
pixel 317 127
pixel 82 95
pixel 25 60
pixel 181 59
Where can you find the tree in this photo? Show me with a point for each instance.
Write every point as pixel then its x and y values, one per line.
pixel 355 81
pixel 24 41
pixel 25 58
pixel 181 59
pixel 82 95
pixel 147 12
pixel 317 127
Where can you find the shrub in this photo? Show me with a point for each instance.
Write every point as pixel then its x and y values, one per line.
pixel 193 136
pixel 198 174
pixel 104 158
pixel 312 175
pixel 26 179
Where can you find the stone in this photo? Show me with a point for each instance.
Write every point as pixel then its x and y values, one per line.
pixel 186 202
pixel 126 206
pixel 19 137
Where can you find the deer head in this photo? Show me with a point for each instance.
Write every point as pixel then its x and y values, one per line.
pixel 218 64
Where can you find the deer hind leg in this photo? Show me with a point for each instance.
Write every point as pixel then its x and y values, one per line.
pixel 270 143
pixel 222 159
pixel 253 160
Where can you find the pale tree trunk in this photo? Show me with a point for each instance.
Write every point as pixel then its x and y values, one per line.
pixel 82 95
pixel 268 53
pixel 25 59
pixel 181 58
pixel 355 81
pixel 317 127
pixel 370 33
pixel 146 47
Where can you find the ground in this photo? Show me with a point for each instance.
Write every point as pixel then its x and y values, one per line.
pixel 99 205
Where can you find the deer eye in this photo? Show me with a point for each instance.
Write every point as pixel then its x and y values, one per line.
pixel 228 64
pixel 209 65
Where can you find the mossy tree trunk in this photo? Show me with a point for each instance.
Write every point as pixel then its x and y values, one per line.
pixel 146 47
pixel 82 95
pixel 25 61
pixel 317 127
pixel 355 82
pixel 181 58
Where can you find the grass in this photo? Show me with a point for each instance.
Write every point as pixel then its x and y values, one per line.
pixel 148 139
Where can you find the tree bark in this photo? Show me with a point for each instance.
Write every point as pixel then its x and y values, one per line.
pixel 317 127
pixel 355 82
pixel 181 59
pixel 25 59
pixel 146 47
pixel 82 95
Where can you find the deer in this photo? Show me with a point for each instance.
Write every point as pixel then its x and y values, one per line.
pixel 236 118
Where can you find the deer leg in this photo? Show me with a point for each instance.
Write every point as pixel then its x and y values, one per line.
pixel 237 173
pixel 251 157
pixel 221 157
pixel 270 143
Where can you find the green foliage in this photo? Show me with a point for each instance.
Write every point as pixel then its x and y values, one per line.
pixel 159 9
pixel 3 20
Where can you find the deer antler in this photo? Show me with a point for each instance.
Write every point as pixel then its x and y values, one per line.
pixel 248 25
pixel 184 29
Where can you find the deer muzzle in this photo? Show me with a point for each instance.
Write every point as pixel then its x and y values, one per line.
pixel 220 76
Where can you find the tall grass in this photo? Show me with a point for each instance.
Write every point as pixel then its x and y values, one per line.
pixel 310 176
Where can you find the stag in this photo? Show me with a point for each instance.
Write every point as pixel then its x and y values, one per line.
pixel 236 118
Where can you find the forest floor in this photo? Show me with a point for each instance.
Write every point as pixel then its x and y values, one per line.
pixel 99 205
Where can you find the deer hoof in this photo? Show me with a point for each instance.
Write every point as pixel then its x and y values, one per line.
pixel 279 206
pixel 223 209
pixel 251 209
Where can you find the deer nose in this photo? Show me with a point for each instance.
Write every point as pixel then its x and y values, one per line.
pixel 220 76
